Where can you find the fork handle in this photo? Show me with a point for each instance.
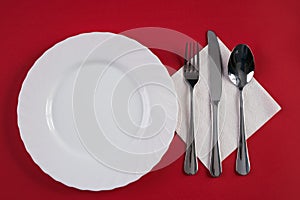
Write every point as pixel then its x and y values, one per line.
pixel 190 160
pixel 215 162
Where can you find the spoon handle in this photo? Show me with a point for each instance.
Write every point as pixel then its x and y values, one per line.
pixel 215 162
pixel 242 159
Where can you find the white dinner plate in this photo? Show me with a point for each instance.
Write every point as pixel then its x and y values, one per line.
pixel 53 96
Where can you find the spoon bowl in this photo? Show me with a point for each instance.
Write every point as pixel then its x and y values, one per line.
pixel 241 66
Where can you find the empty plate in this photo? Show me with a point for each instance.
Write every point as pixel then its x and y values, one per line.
pixel 97 111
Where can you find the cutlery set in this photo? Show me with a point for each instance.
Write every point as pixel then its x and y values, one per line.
pixel 98 111
pixel 240 71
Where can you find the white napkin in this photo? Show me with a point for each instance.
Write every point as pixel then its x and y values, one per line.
pixel 259 107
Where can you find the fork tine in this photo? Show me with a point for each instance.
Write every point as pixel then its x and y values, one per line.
pixel 190 57
pixel 185 57
pixel 198 56
pixel 186 54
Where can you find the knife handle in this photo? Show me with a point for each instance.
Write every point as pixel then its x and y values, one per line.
pixel 215 162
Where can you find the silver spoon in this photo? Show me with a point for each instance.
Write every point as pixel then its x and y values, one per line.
pixel 240 71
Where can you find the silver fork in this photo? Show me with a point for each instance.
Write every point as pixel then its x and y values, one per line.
pixel 191 75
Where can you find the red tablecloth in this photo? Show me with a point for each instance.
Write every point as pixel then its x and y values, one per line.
pixel 270 28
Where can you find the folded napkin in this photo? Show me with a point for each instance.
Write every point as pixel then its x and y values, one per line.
pixel 258 104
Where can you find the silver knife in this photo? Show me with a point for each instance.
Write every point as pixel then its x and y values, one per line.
pixel 215 89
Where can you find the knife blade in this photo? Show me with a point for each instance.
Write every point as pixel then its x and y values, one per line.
pixel 215 89
pixel 214 66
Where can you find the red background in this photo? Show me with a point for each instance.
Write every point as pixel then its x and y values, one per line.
pixel 270 28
